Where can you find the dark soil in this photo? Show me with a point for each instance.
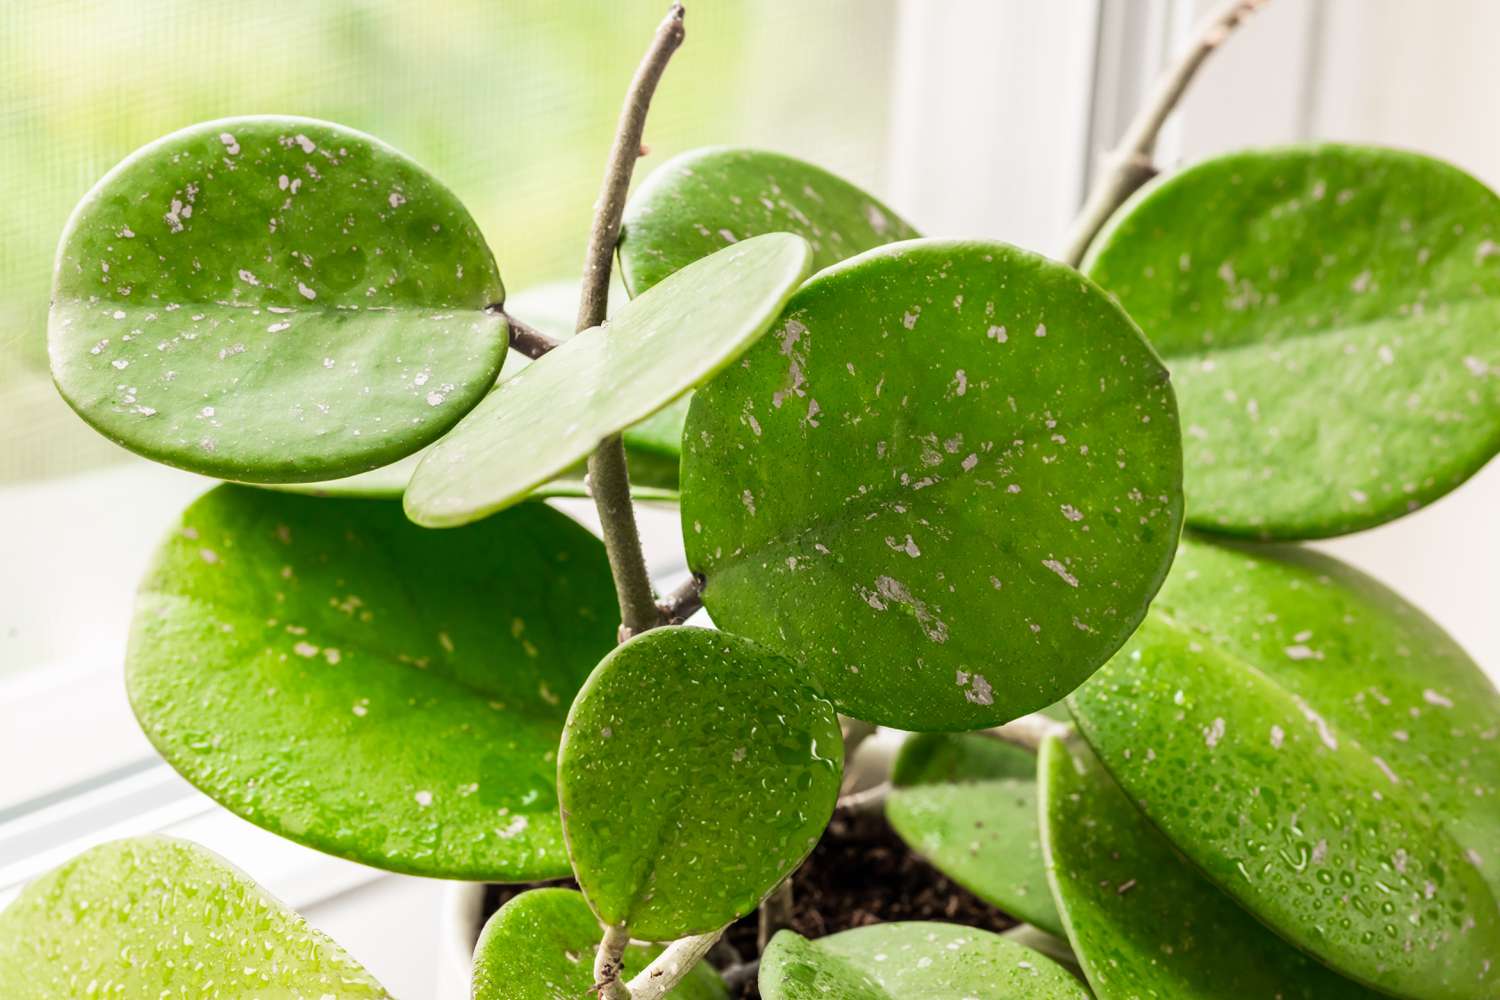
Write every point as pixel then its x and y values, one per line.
pixel 860 873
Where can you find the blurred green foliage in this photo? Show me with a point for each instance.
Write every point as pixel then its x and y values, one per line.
pixel 511 102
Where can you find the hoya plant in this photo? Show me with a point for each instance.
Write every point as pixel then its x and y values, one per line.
pixel 929 486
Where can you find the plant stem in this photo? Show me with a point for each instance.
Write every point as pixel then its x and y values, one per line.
pixel 867 802
pixel 594 300
pixel 528 339
pixel 607 963
pixel 775 914
pixel 609 477
pixel 855 733
pixel 656 979
pixel 1029 731
pixel 609 482
pixel 736 976
pixel 1130 165
pixel 682 603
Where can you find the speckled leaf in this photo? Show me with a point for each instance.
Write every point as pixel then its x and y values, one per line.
pixel 948 480
pixel 1143 922
pixel 556 411
pixel 273 299
pixel 1298 735
pixel 1331 316
pixel 540 946
pixel 697 770
pixel 967 803
pixel 157 917
pixel 337 675
pixel 908 961
pixel 706 199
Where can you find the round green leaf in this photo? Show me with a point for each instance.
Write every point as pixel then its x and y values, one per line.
pixel 967 803
pixel 335 674
pixel 948 481
pixel 556 411
pixel 1272 768
pixel 541 944
pixel 1329 314
pixel 1142 922
pixel 904 961
pixel 697 770
pixel 703 200
pixel 273 299
pixel 157 917
pixel 1368 662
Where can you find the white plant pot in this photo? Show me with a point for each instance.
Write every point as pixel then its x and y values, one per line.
pixel 458 931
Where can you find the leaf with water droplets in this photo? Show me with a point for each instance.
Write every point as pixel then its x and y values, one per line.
pixel 1142 921
pixel 1323 752
pixel 157 917
pixel 901 961
pixel 697 770
pixel 540 946
pixel 658 346
pixel 948 481
pixel 967 803
pixel 339 676
pixel 1329 316
pixel 703 200
pixel 273 299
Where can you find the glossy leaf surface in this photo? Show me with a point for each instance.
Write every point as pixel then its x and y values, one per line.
pixel 911 961
pixel 967 803
pixel 1256 718
pixel 541 945
pixel 948 481
pixel 1374 666
pixel 335 674
pixel 706 199
pixel 273 299
pixel 1142 921
pixel 697 770
pixel 1330 316
pixel 157 917
pixel 553 414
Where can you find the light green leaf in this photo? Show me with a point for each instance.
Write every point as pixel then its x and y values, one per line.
pixel 335 674
pixel 703 200
pixel 697 770
pixel 967 803
pixel 948 481
pixel 541 944
pixel 157 917
pixel 273 299
pixel 1142 921
pixel 653 447
pixel 1256 717
pixel 908 961
pixel 657 347
pixel 1329 314
pixel 651 480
